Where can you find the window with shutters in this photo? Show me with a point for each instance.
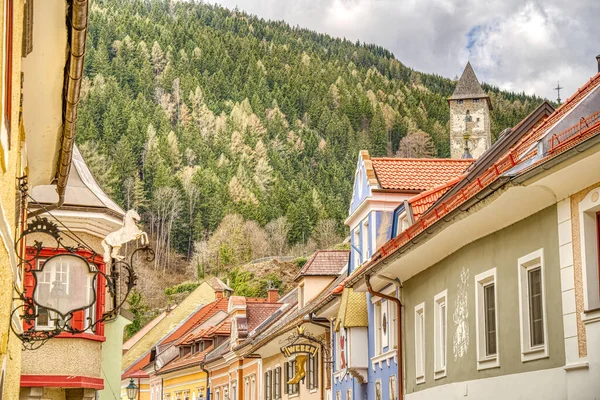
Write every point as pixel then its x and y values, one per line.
pixel 277 383
pixel 313 377
pixel 534 328
pixel 290 371
pixel 269 385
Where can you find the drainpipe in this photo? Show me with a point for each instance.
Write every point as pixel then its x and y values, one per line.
pixel 78 21
pixel 203 368
pixel 398 329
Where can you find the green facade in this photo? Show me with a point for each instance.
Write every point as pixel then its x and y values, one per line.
pixel 500 250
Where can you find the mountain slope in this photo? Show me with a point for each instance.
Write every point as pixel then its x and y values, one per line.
pixel 191 112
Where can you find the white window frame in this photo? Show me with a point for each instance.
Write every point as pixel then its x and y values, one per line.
pixel 338 395
pixel 420 352
pixel 364 239
pixel 377 318
pixel 482 280
pixel 357 261
pixel 588 209
pixel 440 343
pixel 349 394
pixel 253 387
pixel 525 264
pixel 392 394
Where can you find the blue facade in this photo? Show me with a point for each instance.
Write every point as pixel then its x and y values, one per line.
pixel 363 242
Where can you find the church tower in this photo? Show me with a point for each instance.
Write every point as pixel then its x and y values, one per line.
pixel 470 134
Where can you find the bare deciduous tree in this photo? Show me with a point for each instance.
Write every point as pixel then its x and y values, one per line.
pixel 277 232
pixel 416 144
pixel 166 205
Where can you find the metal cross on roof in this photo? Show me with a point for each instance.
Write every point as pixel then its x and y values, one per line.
pixel 557 88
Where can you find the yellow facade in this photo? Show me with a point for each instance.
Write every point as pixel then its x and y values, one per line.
pixel 203 294
pixel 143 391
pixel 185 384
pixel 10 169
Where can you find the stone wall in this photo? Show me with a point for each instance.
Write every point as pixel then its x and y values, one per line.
pixel 479 128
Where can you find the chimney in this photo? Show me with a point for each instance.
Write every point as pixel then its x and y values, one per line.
pixel 273 295
pixel 219 293
pixel 598 60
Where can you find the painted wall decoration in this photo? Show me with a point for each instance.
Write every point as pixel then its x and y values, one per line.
pixel 460 340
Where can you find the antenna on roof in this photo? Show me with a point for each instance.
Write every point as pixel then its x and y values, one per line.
pixel 557 88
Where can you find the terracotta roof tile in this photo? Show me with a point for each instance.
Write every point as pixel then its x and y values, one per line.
pixel 185 361
pixel 258 312
pixel 201 315
pixel 135 371
pixel 417 174
pixel 325 263
pixel 421 202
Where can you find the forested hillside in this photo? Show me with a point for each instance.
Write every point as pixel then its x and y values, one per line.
pixel 191 112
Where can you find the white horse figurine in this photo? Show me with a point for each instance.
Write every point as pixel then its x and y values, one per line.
pixel 113 242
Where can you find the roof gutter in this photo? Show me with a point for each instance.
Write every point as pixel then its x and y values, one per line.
pixel 77 21
pixel 378 260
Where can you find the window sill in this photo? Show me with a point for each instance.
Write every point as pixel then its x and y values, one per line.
pixel 388 356
pixel 488 363
pixel 420 380
pixel 591 316
pixel 534 354
pixel 439 374
pixel 311 391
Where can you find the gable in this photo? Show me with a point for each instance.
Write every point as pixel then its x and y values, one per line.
pixel 364 181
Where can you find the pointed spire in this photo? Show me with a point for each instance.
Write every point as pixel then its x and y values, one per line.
pixel 468 86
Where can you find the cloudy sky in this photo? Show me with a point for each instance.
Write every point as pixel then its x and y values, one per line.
pixel 519 45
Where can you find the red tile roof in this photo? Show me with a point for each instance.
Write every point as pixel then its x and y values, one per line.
pixel 185 361
pixel 256 313
pixel 517 155
pixel 421 202
pixel 135 370
pixel 202 315
pixel 417 174
pixel 325 263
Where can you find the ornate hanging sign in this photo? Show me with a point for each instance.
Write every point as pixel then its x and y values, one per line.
pixel 299 348
pixel 66 280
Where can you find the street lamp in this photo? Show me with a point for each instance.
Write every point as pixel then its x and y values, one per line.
pixel 132 390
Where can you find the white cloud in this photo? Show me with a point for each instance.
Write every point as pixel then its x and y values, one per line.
pixel 521 46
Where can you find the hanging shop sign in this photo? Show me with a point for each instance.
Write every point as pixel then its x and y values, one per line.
pixel 66 280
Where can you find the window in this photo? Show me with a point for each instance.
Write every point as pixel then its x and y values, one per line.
pixel 277 383
pixel 385 325
pixel 475 100
pixel 217 394
pixel 247 389
pixel 301 295
pixel 55 277
pixel 393 388
pixel 589 231
pixel 440 334
pixel 234 390
pixel 313 377
pixel 338 395
pixel 290 371
pixel 357 252
pixel 269 385
pixel 364 248
pixel 459 101
pixel 378 395
pixel 420 343
pixel 486 320
pixel 348 394
pixel 253 387
pixel 340 349
pixel 532 307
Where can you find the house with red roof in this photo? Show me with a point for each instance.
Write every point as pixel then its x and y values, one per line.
pixel 496 271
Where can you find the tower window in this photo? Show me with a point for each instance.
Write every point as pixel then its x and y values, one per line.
pixel 459 101
pixel 475 100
